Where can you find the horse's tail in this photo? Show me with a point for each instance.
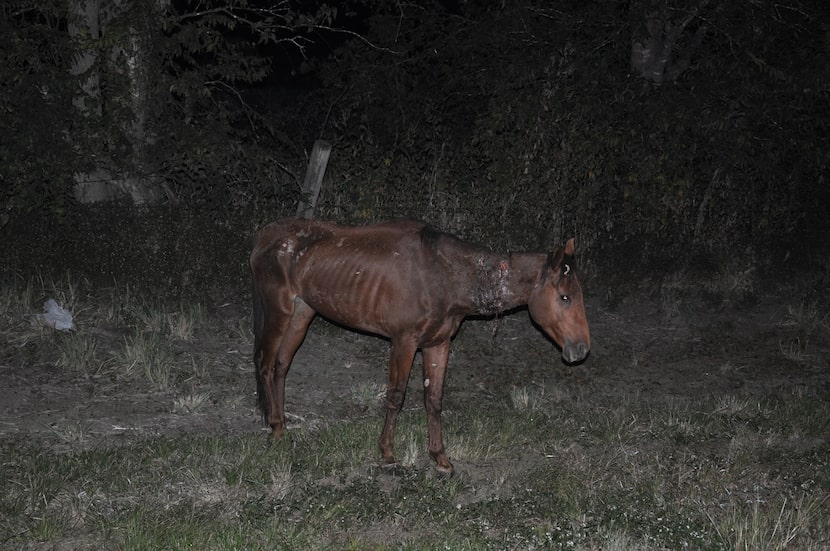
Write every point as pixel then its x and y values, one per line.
pixel 258 322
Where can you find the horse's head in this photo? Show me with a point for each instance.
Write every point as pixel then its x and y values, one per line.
pixel 556 305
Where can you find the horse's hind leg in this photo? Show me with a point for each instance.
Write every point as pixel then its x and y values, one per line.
pixel 291 341
pixel 284 326
pixel 273 323
pixel 400 365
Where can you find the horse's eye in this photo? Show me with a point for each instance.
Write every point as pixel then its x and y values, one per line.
pixel 565 298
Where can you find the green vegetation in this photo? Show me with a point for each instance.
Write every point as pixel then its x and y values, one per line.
pixel 614 476
pixel 547 465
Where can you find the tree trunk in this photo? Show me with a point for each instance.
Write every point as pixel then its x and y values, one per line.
pixel 85 30
pixel 659 50
pixel 125 112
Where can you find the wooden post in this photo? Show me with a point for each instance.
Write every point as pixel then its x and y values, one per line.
pixel 314 178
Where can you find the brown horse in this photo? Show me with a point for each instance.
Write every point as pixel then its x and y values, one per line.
pixel 406 281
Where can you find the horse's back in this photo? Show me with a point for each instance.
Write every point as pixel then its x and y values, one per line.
pixel 312 231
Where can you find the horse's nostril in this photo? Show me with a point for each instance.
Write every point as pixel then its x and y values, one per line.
pixel 575 352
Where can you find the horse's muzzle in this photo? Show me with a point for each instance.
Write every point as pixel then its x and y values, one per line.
pixel 574 352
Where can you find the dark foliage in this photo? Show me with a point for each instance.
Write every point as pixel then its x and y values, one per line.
pixel 36 161
pixel 524 126
pixel 513 125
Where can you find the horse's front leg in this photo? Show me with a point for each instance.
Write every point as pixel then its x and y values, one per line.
pixel 435 366
pixel 400 365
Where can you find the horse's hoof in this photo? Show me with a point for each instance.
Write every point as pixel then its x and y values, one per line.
pixel 277 432
pixel 445 470
pixel 442 464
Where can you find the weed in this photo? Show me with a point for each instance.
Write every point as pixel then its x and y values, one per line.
pixel 733 406
pixel 72 433
pixel 182 324
pixel 767 525
pixel 526 400
pixel 412 451
pixel 793 349
pixel 151 356
pixel 240 331
pixel 737 279
pixel 117 307
pixel 149 318
pixel 670 301
pixel 79 354
pixel 368 395
pixel 520 398
pixel 16 300
pixel 191 403
pixel 805 319
pixel 282 480
pixel 200 367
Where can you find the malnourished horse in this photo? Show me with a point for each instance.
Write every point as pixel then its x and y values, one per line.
pixel 406 281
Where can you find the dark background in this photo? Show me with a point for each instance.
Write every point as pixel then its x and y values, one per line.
pixel 512 124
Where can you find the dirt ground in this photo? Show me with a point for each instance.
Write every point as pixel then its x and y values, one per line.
pixel 637 351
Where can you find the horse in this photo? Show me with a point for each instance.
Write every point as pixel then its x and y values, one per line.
pixel 408 282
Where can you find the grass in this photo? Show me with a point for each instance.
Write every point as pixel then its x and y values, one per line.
pixel 191 403
pixel 179 324
pixel 79 353
pixel 150 356
pixel 541 465
pixel 805 318
pixel 155 332
pixel 802 321
pixel 622 482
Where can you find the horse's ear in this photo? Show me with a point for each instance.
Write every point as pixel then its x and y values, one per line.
pixel 553 263
pixel 569 247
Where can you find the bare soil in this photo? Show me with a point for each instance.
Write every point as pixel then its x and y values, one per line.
pixel 637 351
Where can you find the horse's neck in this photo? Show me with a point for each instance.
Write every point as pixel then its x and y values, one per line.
pixel 525 274
pixel 504 282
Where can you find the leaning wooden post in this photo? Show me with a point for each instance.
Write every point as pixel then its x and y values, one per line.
pixel 314 178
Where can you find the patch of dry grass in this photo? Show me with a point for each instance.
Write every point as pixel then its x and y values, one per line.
pixel 779 524
pixel 805 318
pixel 149 356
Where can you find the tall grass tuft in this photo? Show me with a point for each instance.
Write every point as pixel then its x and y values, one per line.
pixel 767 525
pixel 191 403
pixel 182 325
pixel 79 354
pixel 149 355
pixel 805 318
pixel 526 400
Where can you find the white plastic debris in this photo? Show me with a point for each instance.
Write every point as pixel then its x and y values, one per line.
pixel 56 317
